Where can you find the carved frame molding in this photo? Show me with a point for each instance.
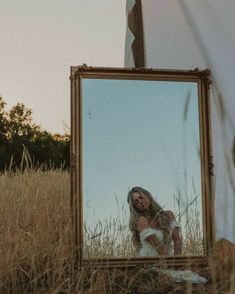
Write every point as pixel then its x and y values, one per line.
pixel 202 77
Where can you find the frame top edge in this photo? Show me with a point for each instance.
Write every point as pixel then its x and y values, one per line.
pixel 184 74
pixel 85 68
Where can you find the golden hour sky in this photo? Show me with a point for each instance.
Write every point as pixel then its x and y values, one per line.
pixel 39 42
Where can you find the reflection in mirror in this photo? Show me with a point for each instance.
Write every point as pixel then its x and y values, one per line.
pixel 146 134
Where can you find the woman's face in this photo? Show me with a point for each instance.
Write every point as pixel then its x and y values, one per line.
pixel 141 201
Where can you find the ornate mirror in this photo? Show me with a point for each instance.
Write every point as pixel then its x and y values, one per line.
pixel 148 129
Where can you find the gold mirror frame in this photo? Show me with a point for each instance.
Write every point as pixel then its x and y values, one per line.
pixel 202 78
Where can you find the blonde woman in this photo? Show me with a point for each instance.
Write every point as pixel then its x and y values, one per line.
pixel 154 230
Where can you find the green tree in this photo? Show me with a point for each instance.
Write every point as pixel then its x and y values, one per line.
pixel 18 133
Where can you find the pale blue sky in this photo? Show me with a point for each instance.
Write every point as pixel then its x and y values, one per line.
pixel 40 40
pixel 135 135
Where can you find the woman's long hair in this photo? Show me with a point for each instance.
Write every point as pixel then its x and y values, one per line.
pixel 156 212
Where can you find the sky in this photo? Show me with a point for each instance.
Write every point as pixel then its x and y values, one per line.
pixel 135 134
pixel 40 40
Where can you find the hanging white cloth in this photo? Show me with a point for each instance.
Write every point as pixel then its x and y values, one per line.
pixel 188 34
pixel 129 59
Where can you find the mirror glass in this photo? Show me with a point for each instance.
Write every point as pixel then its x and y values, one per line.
pixel 139 133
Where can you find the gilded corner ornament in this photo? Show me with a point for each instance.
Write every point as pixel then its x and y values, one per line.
pixel 81 68
pixel 84 67
pixel 205 75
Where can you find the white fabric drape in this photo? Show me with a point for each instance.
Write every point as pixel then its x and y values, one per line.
pixel 129 59
pixel 188 34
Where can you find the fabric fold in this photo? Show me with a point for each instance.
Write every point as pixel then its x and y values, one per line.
pixel 128 56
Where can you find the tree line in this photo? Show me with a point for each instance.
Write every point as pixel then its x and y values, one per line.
pixel 24 143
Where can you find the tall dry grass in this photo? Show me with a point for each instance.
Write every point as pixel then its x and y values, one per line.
pixel 34 228
pixel 35 243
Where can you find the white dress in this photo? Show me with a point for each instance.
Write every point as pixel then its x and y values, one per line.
pixel 148 250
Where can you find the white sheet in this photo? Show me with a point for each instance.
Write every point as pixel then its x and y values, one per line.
pixel 128 57
pixel 188 34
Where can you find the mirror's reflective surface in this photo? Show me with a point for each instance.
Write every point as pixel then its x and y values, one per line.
pixel 146 134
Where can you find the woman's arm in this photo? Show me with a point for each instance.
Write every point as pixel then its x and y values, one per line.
pixel 177 241
pixel 143 224
pixel 175 234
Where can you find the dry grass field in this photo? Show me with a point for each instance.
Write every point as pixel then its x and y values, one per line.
pixel 35 229
pixel 35 245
